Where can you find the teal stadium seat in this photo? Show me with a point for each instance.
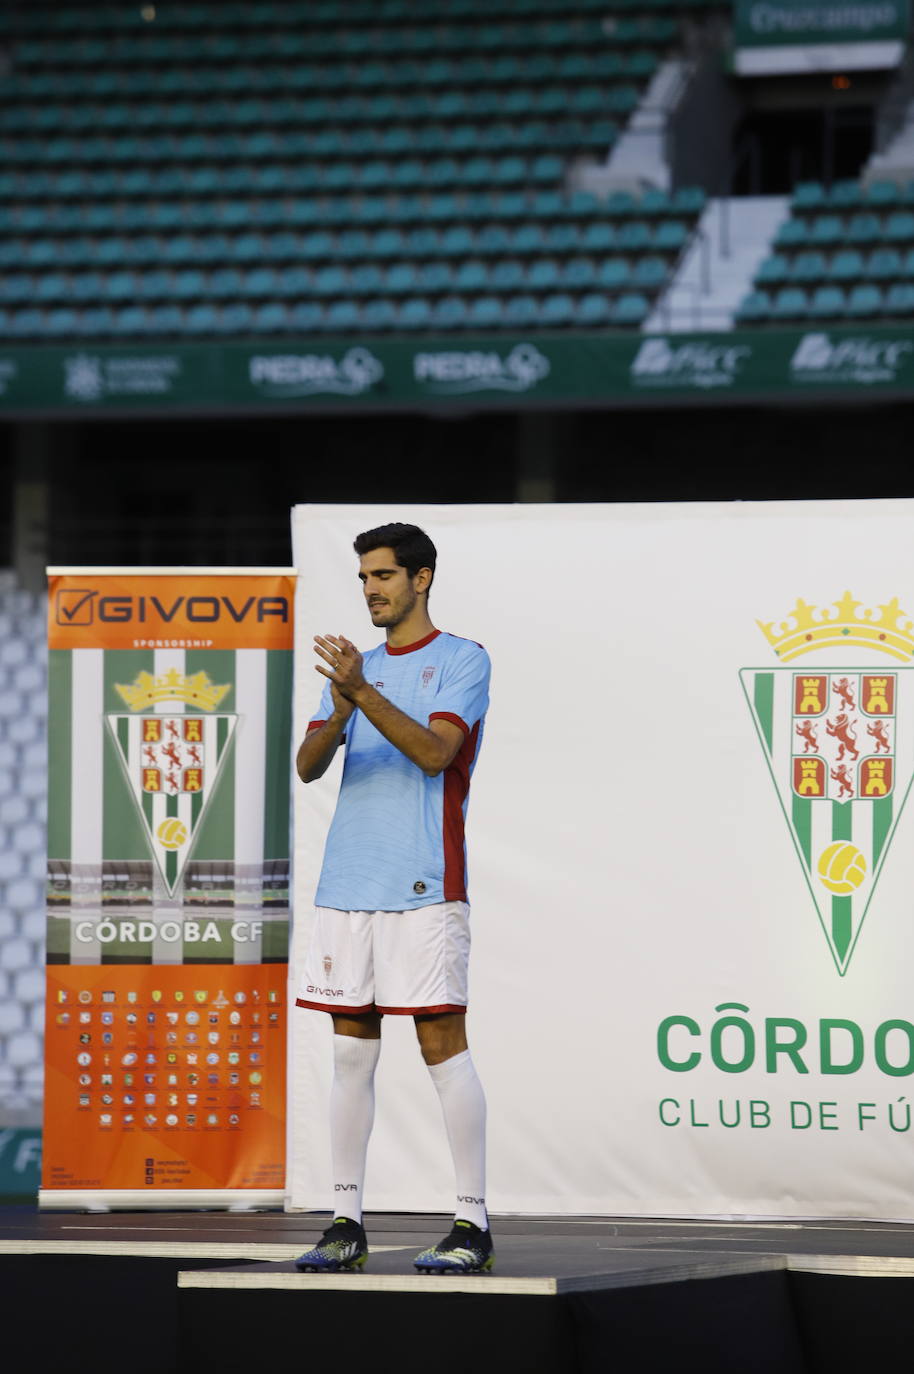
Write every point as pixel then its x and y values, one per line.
pixel 811 266
pixel 864 302
pixel 592 310
pixel 899 227
pixel 774 270
pixel 846 266
pixel 755 308
pixel 899 299
pixel 520 311
pixel 884 264
pixel 631 308
pixel 864 228
pixel 827 303
pixel 789 303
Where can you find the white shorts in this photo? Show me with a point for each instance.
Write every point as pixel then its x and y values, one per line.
pixel 402 963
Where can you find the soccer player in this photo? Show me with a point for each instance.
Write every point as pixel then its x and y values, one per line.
pixel 392 934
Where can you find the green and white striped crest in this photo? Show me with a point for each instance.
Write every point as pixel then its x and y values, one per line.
pixel 172 764
pixel 839 744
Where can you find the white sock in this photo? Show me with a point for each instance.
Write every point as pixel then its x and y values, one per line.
pixel 464 1106
pixel 351 1119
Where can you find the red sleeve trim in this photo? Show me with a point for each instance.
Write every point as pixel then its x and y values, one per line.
pixel 314 725
pixel 421 1011
pixel 449 715
pixel 326 1006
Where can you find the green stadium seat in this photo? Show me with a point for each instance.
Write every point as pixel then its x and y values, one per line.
pixel 899 227
pixel 379 315
pixel 556 310
pixel 401 279
pixel 342 316
pixel 882 195
pixel 670 236
pixel 846 266
pixel 520 311
pixel 649 273
pixel 808 198
pixel 235 318
pixel 201 319
pixel 793 233
pixel 598 237
pixel 790 303
pixel 507 275
pixel 884 264
pixel 614 274
pixel 450 312
pixel 471 276
pixel 631 308
pixel 899 299
pixel 414 313
pixel 811 266
pixel 259 282
pixel 329 281
pixel 635 236
pixel 774 270
pixel 366 280
pixel 845 195
pixel 130 321
pixel 95 322
pixel 908 264
pixel 826 230
pixel 492 240
pixel 864 302
pixel 754 308
pixel 827 303
pixel 579 274
pixel 225 284
pixel 458 240
pixel 305 317
pixel 485 312
pixel 591 310
pixel 544 275
pixel 165 320
pixel 864 228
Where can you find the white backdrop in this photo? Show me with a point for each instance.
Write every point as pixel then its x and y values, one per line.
pixel 630 861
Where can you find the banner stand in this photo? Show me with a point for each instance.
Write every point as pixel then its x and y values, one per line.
pixel 169 723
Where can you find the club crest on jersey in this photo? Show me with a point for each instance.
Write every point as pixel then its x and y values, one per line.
pixel 427 675
pixel 838 739
pixel 171 759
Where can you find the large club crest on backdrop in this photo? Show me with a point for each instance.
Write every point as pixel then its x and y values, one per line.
pixel 839 743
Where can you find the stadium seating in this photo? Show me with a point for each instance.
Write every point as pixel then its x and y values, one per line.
pixel 322 165
pixel 23 808
pixel 854 245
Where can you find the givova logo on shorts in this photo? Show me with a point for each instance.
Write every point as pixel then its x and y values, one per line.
pixel 838 738
pixel 172 758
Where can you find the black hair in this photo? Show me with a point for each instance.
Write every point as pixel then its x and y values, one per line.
pixel 411 546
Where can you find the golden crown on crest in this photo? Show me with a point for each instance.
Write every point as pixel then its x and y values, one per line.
pixel 197 690
pixel 887 629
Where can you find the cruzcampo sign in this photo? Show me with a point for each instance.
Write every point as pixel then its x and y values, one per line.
pixel 498 370
pixel 822 35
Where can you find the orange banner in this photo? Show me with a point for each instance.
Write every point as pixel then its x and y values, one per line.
pixel 153 1073
pixel 170 611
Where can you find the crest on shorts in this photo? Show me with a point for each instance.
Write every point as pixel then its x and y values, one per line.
pixel 838 739
pixel 171 759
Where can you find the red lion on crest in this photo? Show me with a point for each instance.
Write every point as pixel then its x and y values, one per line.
pixel 842 730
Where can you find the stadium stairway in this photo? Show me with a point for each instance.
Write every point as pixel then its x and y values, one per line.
pixel 718 269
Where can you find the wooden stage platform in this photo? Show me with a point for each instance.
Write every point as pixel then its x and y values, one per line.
pixel 188 1291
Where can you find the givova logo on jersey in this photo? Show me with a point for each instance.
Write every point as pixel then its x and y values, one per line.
pixel 172 758
pixel 838 738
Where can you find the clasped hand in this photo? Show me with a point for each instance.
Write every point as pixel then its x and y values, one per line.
pixel 344 667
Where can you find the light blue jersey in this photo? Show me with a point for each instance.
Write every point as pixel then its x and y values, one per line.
pixel 397 837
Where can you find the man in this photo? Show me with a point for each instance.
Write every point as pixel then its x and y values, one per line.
pixel 391 935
